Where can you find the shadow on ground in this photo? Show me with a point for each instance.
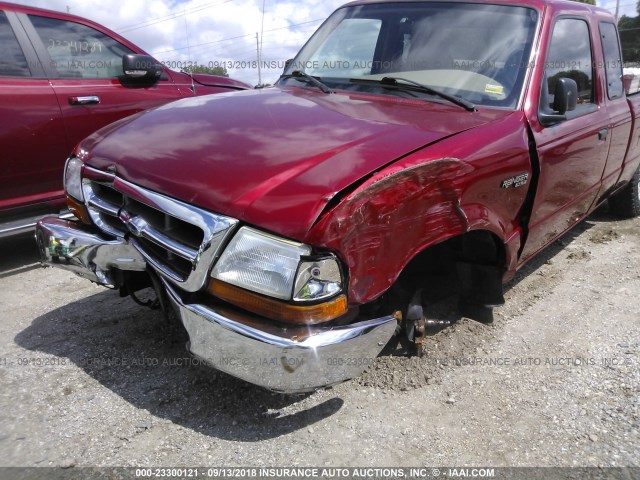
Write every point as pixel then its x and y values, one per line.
pixel 135 354
pixel 19 254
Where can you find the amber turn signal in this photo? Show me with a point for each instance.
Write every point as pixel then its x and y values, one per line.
pixel 78 209
pixel 275 310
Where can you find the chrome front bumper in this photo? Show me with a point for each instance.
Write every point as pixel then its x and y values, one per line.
pixel 283 359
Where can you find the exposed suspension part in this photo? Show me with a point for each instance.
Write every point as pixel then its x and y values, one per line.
pixel 415 324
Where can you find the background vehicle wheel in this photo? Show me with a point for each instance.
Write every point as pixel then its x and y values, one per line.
pixel 626 203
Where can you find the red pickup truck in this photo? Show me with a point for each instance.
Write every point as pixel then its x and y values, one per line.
pixel 63 77
pixel 409 147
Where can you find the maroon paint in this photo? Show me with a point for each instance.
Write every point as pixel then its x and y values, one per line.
pixel 31 131
pixel 350 172
pixel 573 159
pixel 277 156
pixel 40 127
pixel 426 198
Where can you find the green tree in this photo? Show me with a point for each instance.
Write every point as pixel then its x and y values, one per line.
pixel 220 71
pixel 590 2
pixel 629 28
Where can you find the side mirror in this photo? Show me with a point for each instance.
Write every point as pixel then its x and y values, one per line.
pixel 565 97
pixel 141 67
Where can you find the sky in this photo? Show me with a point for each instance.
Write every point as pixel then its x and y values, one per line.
pixel 214 32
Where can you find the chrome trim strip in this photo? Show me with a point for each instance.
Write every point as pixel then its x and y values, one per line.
pixel 140 228
pixel 25 225
pixel 161 268
pixel 101 205
pixel 92 203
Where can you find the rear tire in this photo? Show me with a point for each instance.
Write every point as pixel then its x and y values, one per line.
pixel 626 203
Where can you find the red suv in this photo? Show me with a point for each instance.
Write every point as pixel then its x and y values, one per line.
pixel 61 78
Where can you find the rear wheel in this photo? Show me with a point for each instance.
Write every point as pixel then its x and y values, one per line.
pixel 626 203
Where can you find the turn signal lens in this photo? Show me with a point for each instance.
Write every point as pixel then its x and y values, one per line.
pixel 317 280
pixel 79 210
pixel 275 310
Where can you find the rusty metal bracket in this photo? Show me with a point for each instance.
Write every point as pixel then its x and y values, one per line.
pixel 416 326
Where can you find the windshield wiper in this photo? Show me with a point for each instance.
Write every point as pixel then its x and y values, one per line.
pixel 400 82
pixel 299 74
pixel 396 81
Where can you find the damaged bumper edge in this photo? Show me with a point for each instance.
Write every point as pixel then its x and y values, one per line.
pixel 288 360
pixel 72 246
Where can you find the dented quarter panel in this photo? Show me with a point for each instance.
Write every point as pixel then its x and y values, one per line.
pixel 436 193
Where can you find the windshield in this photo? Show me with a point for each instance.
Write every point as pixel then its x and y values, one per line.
pixel 475 51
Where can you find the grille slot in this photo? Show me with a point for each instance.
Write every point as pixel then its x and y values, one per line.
pixel 104 203
pixel 180 241
pixel 174 228
pixel 180 267
pixel 107 194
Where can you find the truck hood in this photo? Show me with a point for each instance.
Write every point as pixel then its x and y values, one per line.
pixel 272 158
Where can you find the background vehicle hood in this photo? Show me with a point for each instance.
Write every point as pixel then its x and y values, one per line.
pixel 218 81
pixel 272 158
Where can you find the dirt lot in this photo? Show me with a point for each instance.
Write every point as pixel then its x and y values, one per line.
pixel 88 378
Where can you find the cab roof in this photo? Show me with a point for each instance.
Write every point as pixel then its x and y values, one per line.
pixel 571 5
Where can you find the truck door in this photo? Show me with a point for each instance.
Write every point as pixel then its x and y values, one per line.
pixel 572 153
pixel 85 69
pixel 31 124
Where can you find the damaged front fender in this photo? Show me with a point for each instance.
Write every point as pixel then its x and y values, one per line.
pixel 385 223
pixel 425 198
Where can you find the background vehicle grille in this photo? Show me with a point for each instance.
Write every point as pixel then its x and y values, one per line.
pixel 180 241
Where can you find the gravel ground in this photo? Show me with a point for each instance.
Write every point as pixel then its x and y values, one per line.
pixel 91 379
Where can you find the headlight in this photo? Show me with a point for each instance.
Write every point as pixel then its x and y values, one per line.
pixel 73 178
pixel 261 263
pixel 277 268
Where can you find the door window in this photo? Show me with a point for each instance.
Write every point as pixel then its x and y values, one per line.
pixel 570 57
pixel 12 60
pixel 612 59
pixel 79 51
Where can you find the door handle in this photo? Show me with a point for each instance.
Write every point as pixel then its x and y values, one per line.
pixel 603 133
pixel 89 100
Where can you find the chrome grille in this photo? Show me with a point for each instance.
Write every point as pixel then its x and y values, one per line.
pixel 180 241
pixel 104 203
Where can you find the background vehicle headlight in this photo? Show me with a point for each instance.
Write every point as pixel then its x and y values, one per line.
pixel 261 263
pixel 317 279
pixel 73 178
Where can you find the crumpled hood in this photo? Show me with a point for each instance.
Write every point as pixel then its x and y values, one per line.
pixel 272 158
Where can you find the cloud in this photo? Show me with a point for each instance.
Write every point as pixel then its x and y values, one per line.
pixel 209 32
pixel 627 7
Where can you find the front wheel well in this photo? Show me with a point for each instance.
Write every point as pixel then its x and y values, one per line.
pixel 478 247
pixel 470 267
